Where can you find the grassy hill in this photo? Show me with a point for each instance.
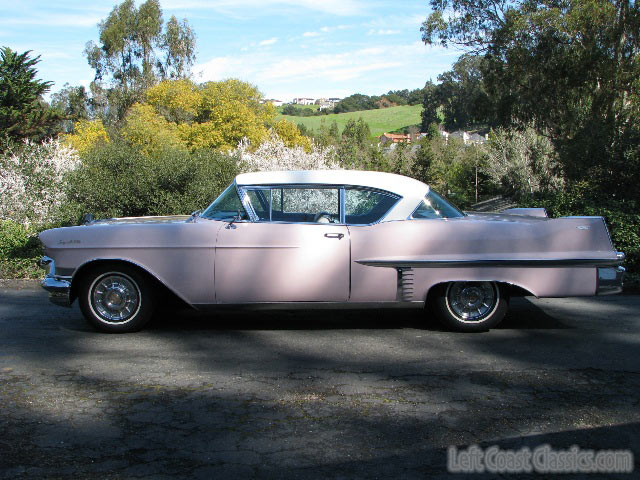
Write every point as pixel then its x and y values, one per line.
pixel 380 120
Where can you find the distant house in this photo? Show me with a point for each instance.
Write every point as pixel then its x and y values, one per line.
pixel 276 103
pixel 390 138
pixel 327 102
pixel 303 101
pixel 466 137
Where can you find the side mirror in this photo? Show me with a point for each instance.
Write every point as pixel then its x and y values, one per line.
pixel 237 218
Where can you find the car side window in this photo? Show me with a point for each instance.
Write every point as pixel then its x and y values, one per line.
pixel 305 205
pixel 364 207
pixel 226 206
pixel 434 206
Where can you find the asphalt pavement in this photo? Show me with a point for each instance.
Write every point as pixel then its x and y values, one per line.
pixel 309 394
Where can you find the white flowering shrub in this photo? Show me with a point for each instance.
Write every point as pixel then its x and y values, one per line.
pixel 32 181
pixel 273 154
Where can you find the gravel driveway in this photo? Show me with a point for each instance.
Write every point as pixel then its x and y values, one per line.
pixel 325 394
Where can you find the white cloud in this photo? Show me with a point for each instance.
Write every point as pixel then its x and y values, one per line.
pixel 310 34
pixel 334 28
pixel 399 22
pixel 273 69
pixel 383 32
pixel 269 41
pixel 245 7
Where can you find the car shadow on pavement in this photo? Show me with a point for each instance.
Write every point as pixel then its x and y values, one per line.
pixel 523 314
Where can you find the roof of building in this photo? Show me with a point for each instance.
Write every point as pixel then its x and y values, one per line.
pixel 396 135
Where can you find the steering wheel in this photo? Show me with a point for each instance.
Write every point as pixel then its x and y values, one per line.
pixel 322 217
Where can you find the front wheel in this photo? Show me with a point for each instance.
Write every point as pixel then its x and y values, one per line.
pixel 469 306
pixel 116 299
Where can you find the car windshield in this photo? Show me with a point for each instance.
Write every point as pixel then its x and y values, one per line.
pixel 226 206
pixel 434 206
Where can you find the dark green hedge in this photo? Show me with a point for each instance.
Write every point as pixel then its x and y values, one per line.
pixel 117 180
pixel 19 251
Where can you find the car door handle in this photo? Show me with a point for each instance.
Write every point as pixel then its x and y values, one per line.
pixel 334 235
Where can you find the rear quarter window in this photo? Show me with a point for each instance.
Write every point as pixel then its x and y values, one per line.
pixel 364 207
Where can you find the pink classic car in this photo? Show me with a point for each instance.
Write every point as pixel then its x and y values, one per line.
pixel 328 238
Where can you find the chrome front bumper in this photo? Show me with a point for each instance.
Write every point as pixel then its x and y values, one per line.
pixel 59 287
pixel 610 279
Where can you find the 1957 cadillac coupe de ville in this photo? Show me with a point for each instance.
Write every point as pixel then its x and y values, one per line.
pixel 328 238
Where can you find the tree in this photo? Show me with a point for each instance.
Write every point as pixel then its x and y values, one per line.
pixel 87 135
pixel 355 102
pixel 523 163
pixel 72 103
pixel 23 112
pixel 462 94
pixel 218 115
pixel 179 46
pixel 358 132
pixel 134 52
pixel 430 106
pixel 569 67
pixel 290 135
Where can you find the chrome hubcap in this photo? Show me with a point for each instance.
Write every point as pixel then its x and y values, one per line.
pixel 115 298
pixel 472 301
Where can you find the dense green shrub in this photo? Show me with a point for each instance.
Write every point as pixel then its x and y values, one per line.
pixel 19 251
pixel 117 179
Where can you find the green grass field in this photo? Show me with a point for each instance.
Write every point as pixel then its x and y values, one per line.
pixel 380 121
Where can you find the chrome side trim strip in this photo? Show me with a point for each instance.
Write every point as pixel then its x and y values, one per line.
pixel 536 263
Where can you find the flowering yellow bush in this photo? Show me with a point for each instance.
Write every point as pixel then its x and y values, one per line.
pixel 88 133
pixel 143 126
pixel 178 100
pixel 212 115
pixel 291 136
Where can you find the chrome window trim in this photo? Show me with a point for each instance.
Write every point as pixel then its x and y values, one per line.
pixel 341 198
pixel 246 203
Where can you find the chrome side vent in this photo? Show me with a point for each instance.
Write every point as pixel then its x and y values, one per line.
pixel 404 291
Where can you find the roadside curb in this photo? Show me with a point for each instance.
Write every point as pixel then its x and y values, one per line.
pixel 19 283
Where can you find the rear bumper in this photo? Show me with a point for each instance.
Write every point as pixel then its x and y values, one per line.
pixel 59 287
pixel 610 279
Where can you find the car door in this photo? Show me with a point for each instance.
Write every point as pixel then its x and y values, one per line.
pixel 294 249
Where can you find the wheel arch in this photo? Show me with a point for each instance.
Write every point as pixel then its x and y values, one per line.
pixel 512 289
pixel 156 282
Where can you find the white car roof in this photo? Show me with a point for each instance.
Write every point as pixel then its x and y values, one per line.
pixel 412 191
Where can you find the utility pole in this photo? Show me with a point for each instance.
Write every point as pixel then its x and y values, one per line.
pixel 476 176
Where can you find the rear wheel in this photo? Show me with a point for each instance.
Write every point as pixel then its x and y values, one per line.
pixel 116 298
pixel 469 306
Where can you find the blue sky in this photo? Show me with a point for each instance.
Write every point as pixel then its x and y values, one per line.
pixel 288 48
